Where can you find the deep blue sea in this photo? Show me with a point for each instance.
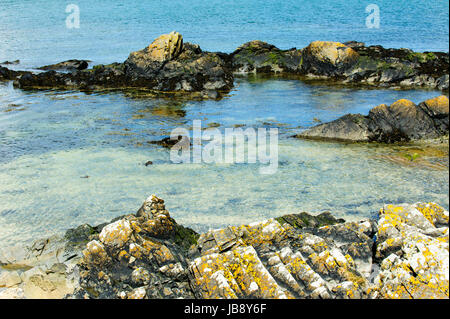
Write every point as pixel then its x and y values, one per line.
pixel 50 140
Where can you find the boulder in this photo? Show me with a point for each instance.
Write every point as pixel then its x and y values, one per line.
pixel 401 121
pixel 152 58
pixel 169 66
pixel 403 254
pixel 164 48
pixel 328 58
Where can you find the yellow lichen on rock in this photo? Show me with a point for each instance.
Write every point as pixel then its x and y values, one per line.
pixel 416 255
pixel 166 46
pixel 238 272
pixel 438 105
pixel 331 52
pixel 163 48
pixel 116 234
pixel 402 103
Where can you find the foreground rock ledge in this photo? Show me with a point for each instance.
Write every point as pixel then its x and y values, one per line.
pixel 405 254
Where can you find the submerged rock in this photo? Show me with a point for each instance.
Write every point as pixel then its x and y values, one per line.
pixel 161 50
pixel 401 121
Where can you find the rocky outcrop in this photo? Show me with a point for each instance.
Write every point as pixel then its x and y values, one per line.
pixel 328 58
pixel 163 49
pixel 69 65
pixel 168 65
pixel 401 121
pixel 400 67
pixel 148 255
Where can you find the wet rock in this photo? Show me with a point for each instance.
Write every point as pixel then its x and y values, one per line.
pixel 7 74
pixel 438 110
pixel 69 65
pixel 15 62
pixel 401 121
pixel 168 66
pixel 168 142
pixel 303 220
pixel 380 66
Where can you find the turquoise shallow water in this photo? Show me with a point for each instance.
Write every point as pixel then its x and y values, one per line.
pixel 49 140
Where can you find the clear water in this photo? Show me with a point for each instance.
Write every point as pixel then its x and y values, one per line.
pixel 50 140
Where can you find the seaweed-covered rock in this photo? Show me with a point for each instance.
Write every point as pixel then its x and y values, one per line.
pixel 350 127
pixel 349 63
pixel 8 75
pixel 69 65
pixel 401 121
pixel 166 65
pixel 400 67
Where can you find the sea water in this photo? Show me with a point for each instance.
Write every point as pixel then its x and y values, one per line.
pixel 68 157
